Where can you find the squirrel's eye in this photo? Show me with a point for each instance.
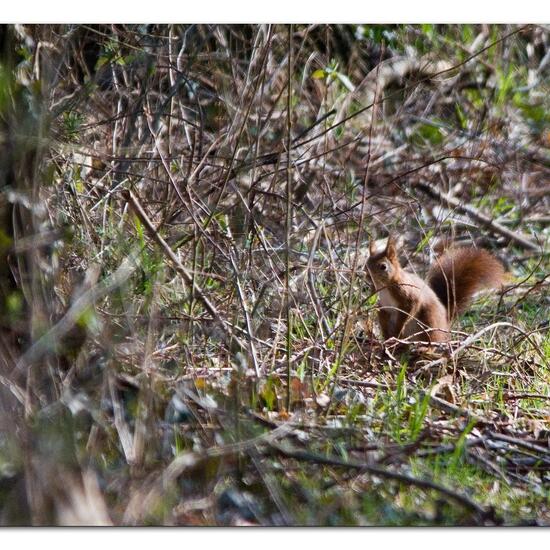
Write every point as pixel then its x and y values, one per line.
pixel 382 267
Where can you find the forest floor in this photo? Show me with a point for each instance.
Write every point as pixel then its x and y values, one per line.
pixel 204 346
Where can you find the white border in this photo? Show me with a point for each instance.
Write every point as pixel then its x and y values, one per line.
pixel 277 11
pixel 274 538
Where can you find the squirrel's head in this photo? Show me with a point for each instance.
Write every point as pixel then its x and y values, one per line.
pixel 383 266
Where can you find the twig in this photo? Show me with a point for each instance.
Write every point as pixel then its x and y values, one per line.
pixel 476 215
pixel 180 268
pixel 462 499
pixel 289 215
pixel 512 396
pixel 453 409
pixel 249 330
pixel 466 343
pixel 519 442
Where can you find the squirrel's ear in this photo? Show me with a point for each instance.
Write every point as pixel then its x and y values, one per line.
pixel 372 248
pixel 391 248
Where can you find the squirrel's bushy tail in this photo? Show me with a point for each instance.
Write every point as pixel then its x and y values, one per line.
pixel 461 272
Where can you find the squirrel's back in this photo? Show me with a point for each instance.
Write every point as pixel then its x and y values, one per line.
pixel 461 272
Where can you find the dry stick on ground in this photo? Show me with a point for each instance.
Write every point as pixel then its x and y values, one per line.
pixel 190 460
pixel 483 513
pixel 450 447
pixel 514 396
pixel 466 343
pixel 512 288
pixel 453 409
pixel 486 464
pixel 518 442
pixel 476 215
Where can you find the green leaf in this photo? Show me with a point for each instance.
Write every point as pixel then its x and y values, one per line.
pixel 319 73
pixel 427 133
pixel 462 119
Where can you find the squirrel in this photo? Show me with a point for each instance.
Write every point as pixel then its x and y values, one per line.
pixel 418 310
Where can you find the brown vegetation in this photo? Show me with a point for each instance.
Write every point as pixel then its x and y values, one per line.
pixel 187 332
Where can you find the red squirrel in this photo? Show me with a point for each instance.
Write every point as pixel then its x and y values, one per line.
pixel 423 310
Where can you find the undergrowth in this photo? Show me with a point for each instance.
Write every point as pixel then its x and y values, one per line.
pixel 188 333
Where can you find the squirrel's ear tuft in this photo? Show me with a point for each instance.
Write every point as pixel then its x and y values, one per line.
pixel 391 248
